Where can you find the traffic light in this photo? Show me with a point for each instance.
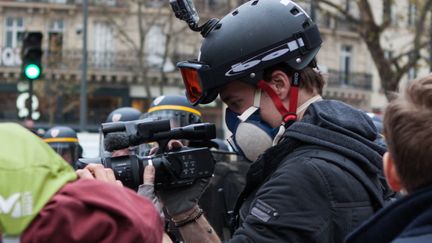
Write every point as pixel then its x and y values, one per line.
pixel 31 55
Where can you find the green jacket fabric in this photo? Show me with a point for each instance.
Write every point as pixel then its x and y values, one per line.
pixel 30 174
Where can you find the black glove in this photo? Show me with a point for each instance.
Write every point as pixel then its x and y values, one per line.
pixel 180 200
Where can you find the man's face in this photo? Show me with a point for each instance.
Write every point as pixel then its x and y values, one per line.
pixel 239 96
pixel 67 155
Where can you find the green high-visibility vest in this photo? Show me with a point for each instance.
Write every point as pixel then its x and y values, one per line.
pixel 30 174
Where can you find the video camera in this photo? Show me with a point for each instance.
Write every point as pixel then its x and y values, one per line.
pixel 173 169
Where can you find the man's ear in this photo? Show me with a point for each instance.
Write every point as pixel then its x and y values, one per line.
pixel 391 174
pixel 281 83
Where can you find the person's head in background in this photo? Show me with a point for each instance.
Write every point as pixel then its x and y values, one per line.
pixel 122 114
pixel 64 141
pixel 175 108
pixel 408 134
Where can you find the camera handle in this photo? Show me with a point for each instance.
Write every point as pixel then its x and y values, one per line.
pixel 162 146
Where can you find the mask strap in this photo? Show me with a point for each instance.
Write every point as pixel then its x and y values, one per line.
pixel 257 98
pixel 289 116
pixel 305 105
pixel 249 111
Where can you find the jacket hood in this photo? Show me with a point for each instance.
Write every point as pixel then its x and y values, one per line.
pixel 342 128
pixel 30 174
pixel 333 125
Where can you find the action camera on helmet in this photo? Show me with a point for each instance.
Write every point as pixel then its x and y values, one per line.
pixel 173 168
pixel 186 11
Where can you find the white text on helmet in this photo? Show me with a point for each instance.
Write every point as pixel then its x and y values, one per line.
pixel 265 56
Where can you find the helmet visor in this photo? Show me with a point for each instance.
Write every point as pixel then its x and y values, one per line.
pixel 191 73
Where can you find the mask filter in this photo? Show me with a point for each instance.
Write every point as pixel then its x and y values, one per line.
pixel 251 136
pixel 252 140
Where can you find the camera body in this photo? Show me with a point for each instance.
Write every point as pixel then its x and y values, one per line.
pixel 173 168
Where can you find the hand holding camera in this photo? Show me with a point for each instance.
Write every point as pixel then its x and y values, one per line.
pixel 173 168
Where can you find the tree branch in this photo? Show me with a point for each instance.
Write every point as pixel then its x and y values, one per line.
pixel 367 14
pixel 406 53
pixel 122 33
pixel 341 10
pixel 414 55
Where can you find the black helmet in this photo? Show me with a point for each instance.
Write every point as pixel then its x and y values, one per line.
pixel 64 141
pixel 123 114
pixel 255 36
pixel 175 108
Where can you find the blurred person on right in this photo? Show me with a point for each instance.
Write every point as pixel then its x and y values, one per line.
pixel 408 169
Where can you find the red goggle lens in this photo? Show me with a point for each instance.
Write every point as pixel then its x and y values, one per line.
pixel 192 83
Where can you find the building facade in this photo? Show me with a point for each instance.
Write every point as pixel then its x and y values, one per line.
pixel 134 43
pixel 115 76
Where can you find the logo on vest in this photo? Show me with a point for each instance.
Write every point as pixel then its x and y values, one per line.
pixel 17 205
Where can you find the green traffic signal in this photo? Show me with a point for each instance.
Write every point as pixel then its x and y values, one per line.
pixel 32 71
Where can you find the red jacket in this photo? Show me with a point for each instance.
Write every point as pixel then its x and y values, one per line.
pixel 93 211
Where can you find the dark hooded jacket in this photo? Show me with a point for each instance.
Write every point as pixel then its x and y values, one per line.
pixel 320 182
pixel 408 220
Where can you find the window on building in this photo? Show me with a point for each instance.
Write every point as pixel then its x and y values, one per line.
pixel 348 5
pixel 58 1
pixel 55 41
pixel 103 44
pixel 412 72
pixel 155 45
pixel 103 2
pixel 393 15
pixel 412 13
pixel 14 31
pixel 345 64
pixel 388 54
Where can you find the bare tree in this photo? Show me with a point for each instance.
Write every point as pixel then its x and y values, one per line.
pixel 150 13
pixel 147 14
pixel 391 69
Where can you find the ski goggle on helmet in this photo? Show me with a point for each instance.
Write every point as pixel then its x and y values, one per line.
pixel 240 48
